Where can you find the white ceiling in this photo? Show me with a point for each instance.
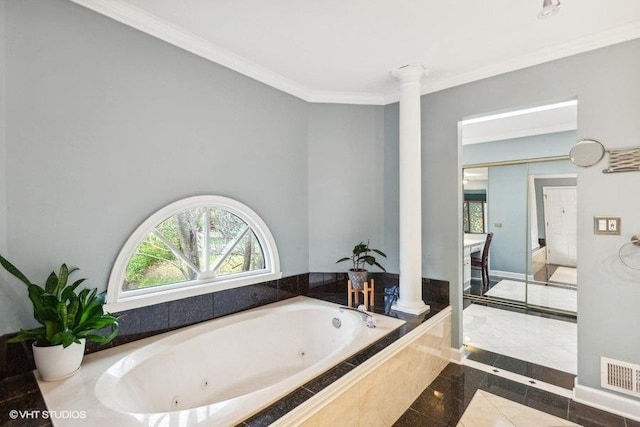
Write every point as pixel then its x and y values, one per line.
pixel 476 174
pixel 343 50
pixel 539 120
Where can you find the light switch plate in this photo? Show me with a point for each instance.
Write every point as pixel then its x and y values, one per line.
pixel 606 225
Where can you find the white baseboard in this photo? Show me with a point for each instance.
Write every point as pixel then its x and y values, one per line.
pixel 458 355
pixel 507 274
pixel 623 406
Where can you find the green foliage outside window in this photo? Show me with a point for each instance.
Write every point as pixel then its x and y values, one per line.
pixel 232 247
pixel 473 216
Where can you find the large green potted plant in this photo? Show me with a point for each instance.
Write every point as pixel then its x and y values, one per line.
pixel 68 319
pixel 360 257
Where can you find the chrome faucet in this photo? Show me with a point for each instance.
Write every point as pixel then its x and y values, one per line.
pixel 366 316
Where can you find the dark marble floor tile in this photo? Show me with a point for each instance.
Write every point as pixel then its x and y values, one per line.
pixel 551 376
pixel 522 367
pixel 445 408
pixel 503 387
pixel 511 364
pixel 571 318
pixel 328 377
pixel 278 409
pixel 588 416
pixel 482 356
pixel 547 402
pixel 412 418
pixel 447 387
pixel 464 374
pixel 190 310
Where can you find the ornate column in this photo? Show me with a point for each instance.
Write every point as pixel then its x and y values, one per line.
pixel 410 300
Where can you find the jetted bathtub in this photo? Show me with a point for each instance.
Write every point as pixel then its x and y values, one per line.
pixel 223 371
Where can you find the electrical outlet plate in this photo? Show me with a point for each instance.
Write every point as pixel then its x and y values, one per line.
pixel 606 225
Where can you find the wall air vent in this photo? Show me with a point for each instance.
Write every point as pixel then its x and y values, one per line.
pixel 620 376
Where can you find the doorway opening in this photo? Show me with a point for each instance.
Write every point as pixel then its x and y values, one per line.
pixel 519 221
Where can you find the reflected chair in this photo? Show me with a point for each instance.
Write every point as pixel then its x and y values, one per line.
pixel 483 261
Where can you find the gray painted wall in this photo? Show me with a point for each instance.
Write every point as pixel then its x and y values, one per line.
pixel 507 216
pixel 106 125
pixel 346 188
pixel 606 85
pixel 392 187
pixel 3 155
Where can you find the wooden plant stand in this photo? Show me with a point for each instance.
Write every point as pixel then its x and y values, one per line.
pixel 368 290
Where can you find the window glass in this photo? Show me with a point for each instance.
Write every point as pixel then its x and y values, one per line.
pixel 209 242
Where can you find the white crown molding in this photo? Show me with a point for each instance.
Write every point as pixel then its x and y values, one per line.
pixel 585 44
pixel 330 97
pixel 177 36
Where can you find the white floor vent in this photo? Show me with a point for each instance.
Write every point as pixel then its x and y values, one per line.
pixel 620 376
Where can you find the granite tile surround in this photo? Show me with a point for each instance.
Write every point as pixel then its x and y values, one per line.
pixel 143 322
pixel 159 318
pixel 16 360
pixel 21 393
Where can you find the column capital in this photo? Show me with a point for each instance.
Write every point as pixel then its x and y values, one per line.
pixel 409 73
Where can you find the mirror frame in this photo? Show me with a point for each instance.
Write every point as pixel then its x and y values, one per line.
pixel 587 152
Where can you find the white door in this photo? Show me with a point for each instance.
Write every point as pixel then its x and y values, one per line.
pixel 560 215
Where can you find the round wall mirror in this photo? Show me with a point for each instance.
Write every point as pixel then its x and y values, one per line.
pixel 587 152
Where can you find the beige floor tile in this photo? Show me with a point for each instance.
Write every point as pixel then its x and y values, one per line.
pixel 523 416
pixel 486 409
pixel 481 413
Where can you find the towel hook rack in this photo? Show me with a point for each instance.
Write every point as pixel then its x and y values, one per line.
pixel 635 241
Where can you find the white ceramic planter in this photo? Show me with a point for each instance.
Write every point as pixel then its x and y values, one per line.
pixel 56 362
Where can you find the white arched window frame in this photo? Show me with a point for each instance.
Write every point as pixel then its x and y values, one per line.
pixel 207 281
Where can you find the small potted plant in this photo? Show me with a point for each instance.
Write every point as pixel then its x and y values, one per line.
pixel 68 319
pixel 360 257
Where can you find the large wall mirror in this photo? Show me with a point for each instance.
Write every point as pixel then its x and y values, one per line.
pixel 519 210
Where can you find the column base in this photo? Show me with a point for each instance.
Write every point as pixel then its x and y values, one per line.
pixel 416 311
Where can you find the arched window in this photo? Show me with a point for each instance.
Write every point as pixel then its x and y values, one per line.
pixel 193 246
